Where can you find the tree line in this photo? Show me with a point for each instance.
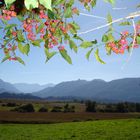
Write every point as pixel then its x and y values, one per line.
pixel 122 107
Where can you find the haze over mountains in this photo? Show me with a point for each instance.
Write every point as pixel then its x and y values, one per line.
pixel 29 88
pixel 7 87
pixel 127 89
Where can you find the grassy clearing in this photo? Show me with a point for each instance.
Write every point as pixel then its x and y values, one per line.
pixel 93 130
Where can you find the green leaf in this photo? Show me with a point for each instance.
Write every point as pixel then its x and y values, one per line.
pixel 5 58
pixel 104 38
pixel 109 18
pixel 26 49
pixel 9 26
pixel 77 37
pixel 9 34
pixel 86 44
pixel 71 2
pixel 125 23
pixel 94 41
pixel 108 49
pixel 138 6
pixel 39 28
pixel 21 18
pixel 68 12
pixel 138 22
pixel 49 55
pixel 57 2
pixel 65 56
pixel 20 47
pixel 51 15
pixel 75 25
pixel 20 36
pixel 30 4
pixel 87 7
pixel 20 60
pixel 110 1
pixel 88 53
pixel 6 41
pixel 4 21
pixel 110 37
pixel 96 54
pixel 37 42
pixel 73 45
pixel 46 3
pixel 9 2
pixel 93 3
pixel 138 40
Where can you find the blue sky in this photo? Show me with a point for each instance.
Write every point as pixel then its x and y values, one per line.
pixel 57 70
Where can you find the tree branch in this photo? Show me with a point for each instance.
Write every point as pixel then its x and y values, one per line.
pixel 130 16
pixel 88 15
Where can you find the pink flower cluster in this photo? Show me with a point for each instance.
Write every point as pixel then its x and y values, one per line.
pixel 42 15
pixel 121 45
pixel 28 27
pixel 61 48
pixel 7 14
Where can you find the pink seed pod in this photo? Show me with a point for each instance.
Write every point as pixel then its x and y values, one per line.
pixel 1 16
pixel 61 48
pixel 125 33
pixel 123 42
pixel 111 44
pixel 42 36
pixel 4 11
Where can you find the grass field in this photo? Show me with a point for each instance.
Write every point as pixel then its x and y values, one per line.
pixel 92 130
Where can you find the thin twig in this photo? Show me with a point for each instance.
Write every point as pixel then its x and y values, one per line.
pixel 88 15
pixel 132 15
pixel 119 8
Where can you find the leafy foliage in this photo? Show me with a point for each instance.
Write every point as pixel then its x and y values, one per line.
pixel 51 24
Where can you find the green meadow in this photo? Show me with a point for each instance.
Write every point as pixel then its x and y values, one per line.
pixel 128 129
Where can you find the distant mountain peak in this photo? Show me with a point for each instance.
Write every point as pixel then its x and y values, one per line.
pixel 7 87
pixel 127 89
pixel 98 80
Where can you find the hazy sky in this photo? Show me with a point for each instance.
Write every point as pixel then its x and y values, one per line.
pixel 57 70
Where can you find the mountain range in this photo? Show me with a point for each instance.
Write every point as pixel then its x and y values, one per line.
pixel 127 89
pixel 6 95
pixel 21 87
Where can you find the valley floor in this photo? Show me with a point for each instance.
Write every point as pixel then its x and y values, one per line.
pixel 128 129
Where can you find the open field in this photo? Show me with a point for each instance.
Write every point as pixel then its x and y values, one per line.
pixel 53 117
pixel 8 116
pixel 79 107
pixel 92 130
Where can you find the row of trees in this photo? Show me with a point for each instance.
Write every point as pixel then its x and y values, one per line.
pixel 122 107
pixel 30 108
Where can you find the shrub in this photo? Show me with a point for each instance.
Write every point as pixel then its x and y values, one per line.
pixel 68 108
pixel 25 108
pixel 90 106
pixel 11 104
pixel 56 109
pixel 43 109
